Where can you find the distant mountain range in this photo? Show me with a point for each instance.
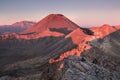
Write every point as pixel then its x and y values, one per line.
pixel 56 48
pixel 16 27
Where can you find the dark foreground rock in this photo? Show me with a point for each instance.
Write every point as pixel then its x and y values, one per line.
pixel 85 70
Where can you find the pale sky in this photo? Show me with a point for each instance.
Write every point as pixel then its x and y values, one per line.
pixel 82 12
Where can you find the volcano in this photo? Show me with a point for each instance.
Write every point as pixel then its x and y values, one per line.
pixel 52 21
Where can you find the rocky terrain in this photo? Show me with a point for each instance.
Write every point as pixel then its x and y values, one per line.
pixel 55 48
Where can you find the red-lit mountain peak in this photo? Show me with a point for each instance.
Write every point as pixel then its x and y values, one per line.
pixel 56 21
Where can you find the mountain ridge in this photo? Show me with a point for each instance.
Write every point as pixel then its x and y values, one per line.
pixel 16 27
pixel 61 52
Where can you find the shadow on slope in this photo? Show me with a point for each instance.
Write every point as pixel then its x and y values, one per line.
pixel 36 54
pixel 61 30
pixel 26 55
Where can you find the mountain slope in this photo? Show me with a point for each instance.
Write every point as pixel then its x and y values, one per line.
pixel 30 59
pixel 52 21
pixel 105 52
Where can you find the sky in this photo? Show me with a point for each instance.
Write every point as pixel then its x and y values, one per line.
pixel 82 12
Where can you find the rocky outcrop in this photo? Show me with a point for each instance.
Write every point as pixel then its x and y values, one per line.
pixel 105 53
pixel 78 68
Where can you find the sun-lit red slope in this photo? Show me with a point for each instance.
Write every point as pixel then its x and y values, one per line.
pixel 45 33
pixel 117 27
pixel 83 41
pixel 78 36
pixel 100 32
pixel 80 39
pixel 52 21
